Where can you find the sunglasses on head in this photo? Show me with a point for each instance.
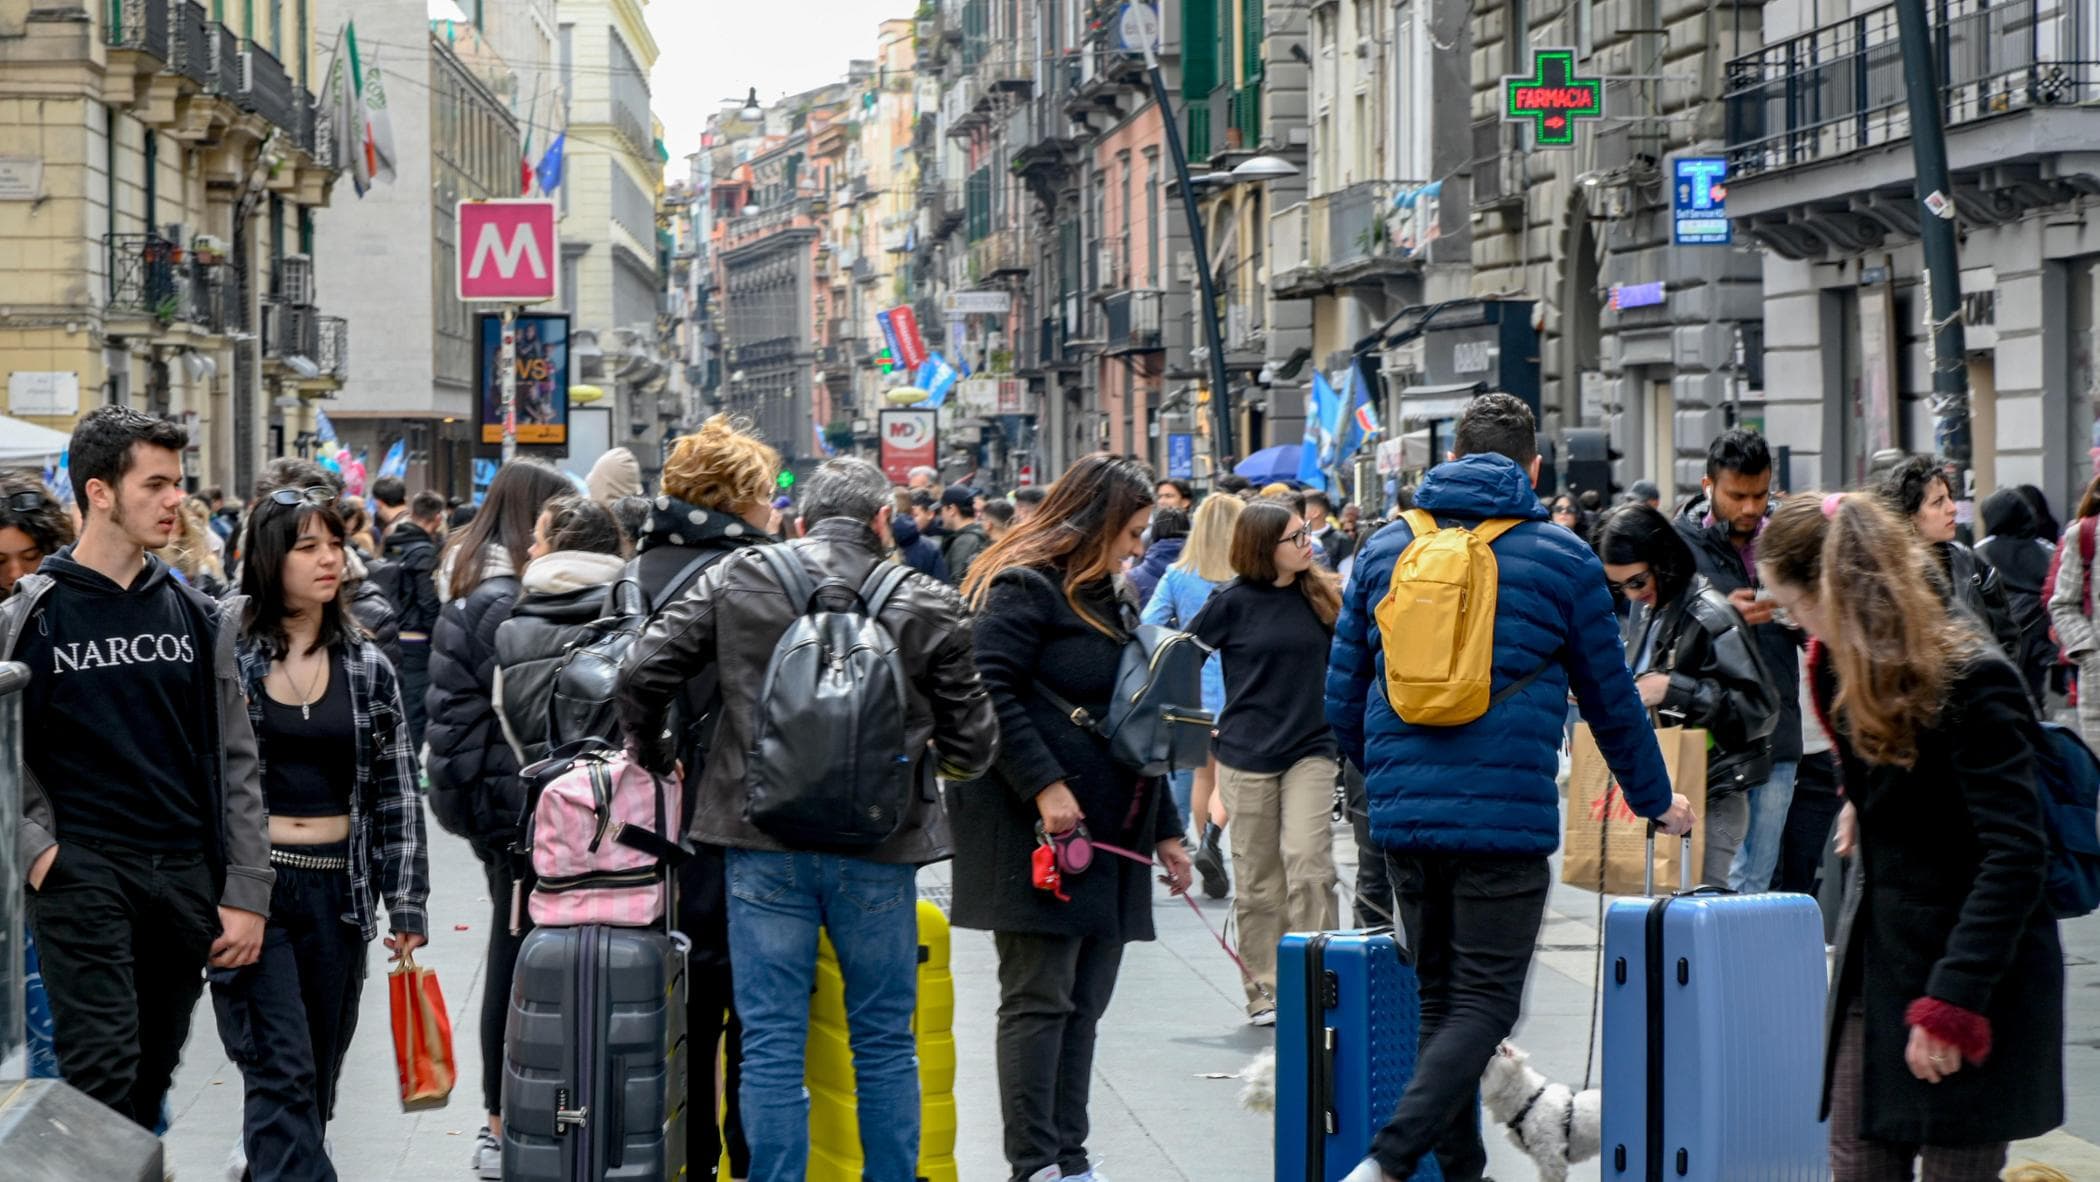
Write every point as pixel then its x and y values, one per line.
pixel 1636 584
pixel 26 502
pixel 318 494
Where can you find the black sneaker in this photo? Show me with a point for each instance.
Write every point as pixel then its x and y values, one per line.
pixel 1210 863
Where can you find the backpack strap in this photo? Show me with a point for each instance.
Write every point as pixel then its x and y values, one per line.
pixel 1423 523
pixel 794 580
pixel 685 575
pixel 882 583
pixel 624 599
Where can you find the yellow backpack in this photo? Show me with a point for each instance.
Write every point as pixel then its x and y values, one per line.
pixel 1437 622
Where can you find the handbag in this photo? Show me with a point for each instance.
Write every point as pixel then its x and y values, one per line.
pixel 1155 722
pixel 422 1036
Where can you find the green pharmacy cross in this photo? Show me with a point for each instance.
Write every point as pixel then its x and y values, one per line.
pixel 1552 98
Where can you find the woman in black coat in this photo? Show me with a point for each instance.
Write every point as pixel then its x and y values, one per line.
pixel 475 792
pixel 1050 612
pixel 1696 664
pixel 1947 1003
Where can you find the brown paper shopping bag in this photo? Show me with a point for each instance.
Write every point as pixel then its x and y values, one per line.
pixel 1605 842
pixel 422 1036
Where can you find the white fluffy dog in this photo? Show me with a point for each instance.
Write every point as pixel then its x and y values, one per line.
pixel 1552 1123
pixel 1258 1077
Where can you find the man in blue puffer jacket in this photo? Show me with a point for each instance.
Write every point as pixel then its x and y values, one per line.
pixel 1467 815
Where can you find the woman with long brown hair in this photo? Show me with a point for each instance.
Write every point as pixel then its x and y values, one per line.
pixel 2071 609
pixel 1271 628
pixel 1946 1040
pixel 1051 614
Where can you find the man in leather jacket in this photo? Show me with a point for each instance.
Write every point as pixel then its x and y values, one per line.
pixel 1695 664
pixel 729 622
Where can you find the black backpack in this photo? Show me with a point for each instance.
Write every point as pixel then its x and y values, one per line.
pixel 829 768
pixel 585 700
pixel 1156 722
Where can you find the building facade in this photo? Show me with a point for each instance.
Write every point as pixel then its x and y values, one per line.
pixel 157 224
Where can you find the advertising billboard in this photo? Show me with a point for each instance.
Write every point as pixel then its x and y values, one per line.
pixel 543 380
pixel 909 440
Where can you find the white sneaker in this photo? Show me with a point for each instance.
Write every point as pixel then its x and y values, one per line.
pixel 1367 1171
pixel 237 1162
pixel 488 1155
pixel 1047 1174
pixel 1262 1018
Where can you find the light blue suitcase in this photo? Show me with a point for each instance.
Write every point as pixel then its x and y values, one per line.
pixel 1713 1038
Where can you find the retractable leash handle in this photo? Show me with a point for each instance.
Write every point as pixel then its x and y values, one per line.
pixel 1684 863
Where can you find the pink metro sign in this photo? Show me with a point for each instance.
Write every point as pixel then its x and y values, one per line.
pixel 508 252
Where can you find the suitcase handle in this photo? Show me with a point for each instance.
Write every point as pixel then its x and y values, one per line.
pixel 1684 864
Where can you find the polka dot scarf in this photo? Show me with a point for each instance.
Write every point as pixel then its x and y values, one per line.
pixel 673 522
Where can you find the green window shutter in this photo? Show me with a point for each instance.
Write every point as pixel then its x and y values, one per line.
pixel 1251 34
pixel 1199 41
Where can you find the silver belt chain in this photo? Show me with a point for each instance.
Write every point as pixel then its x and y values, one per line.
pixel 298 861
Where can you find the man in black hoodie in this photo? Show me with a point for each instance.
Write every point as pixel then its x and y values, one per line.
pixel 412 548
pixel 1722 528
pixel 143 825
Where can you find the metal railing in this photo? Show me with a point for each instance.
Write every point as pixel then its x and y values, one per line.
pixel 1131 321
pixel 1839 88
pixel 1289 242
pixel 1004 252
pixel 191 41
pixel 266 89
pixel 222 60
pixel 334 347
pixel 290 330
pixel 138 24
pixel 146 277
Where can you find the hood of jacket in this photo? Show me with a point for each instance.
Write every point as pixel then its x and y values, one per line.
pixel 1164 553
pixel 495 564
pixel 75 576
pixel 2007 514
pixel 404 535
pixel 1481 486
pixel 616 474
pixel 904 530
pixel 570 570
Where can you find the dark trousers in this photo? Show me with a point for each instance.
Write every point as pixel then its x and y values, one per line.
pixel 1052 993
pixel 287 1020
pixel 1855 1159
pixel 1808 822
pixel 711 1022
pixel 415 682
pixel 1471 923
pixel 503 877
pixel 1374 887
pixel 123 937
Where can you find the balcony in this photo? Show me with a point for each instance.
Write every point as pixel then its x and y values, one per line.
pixel 960 108
pixel 943 203
pixel 266 90
pixel 1005 252
pixel 139 27
pixel 1132 320
pixel 1293 274
pixel 191 42
pixel 1818 125
pixel 334 343
pixel 1005 70
pixel 1497 159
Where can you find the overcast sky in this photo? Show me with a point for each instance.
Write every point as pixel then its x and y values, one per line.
pixel 717 49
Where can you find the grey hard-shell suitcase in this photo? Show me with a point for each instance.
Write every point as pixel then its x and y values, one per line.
pixel 595 1057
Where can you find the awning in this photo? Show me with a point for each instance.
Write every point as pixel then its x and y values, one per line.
pixel 24 444
pixel 1420 404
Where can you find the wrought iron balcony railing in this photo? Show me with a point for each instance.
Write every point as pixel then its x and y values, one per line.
pixel 1839 88
pixel 138 24
pixel 266 89
pixel 146 277
pixel 1132 321
pixel 334 347
pixel 191 41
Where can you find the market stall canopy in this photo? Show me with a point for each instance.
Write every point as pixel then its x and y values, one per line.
pixel 24 443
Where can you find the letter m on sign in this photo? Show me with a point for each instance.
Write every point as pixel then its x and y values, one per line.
pixel 508 252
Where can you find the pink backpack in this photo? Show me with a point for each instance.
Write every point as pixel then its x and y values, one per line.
pixel 604 840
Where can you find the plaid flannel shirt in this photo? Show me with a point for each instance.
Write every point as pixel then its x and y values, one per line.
pixel 384 805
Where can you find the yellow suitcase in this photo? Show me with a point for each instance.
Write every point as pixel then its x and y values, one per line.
pixel 834 1125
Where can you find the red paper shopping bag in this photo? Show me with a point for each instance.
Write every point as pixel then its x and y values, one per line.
pixel 422 1036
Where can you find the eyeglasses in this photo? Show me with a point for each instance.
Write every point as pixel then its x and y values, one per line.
pixel 26 502
pixel 1634 585
pixel 319 494
pixel 1298 537
pixel 1564 510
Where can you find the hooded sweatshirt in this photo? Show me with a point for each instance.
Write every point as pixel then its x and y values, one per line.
pixel 120 685
pixel 616 474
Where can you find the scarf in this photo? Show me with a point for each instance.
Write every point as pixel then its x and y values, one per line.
pixel 673 522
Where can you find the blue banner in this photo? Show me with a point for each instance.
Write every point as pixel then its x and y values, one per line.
pixel 1181 456
pixel 1321 407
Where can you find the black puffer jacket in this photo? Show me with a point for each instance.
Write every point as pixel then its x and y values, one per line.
pixel 414 554
pixel 374 609
pixel 475 792
pixel 563 595
pixel 1973 586
pixel 1718 681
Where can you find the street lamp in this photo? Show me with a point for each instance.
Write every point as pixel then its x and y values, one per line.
pixel 752 112
pixel 1264 168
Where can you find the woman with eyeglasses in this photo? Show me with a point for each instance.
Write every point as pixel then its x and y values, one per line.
pixel 1051 614
pixel 1695 664
pixel 346 834
pixel 475 791
pixel 33 526
pixel 1271 628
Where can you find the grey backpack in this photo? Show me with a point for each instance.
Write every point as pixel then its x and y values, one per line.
pixel 829 769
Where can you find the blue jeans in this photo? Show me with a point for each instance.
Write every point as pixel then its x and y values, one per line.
pixel 776 904
pixel 1182 786
pixel 1758 859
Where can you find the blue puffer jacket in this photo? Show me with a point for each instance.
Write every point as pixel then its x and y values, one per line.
pixel 1488 787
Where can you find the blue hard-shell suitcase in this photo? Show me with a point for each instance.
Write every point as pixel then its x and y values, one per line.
pixel 1347 1023
pixel 1713 1038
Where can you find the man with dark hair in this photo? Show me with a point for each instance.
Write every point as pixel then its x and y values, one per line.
pixel 965 538
pixel 1174 494
pixel 1027 499
pixel 1232 484
pixel 143 829
pixel 1722 527
pixel 1332 545
pixel 391 494
pixel 412 548
pixel 1467 815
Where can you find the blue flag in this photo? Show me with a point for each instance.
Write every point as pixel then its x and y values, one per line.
pixel 937 378
pixel 1319 433
pixel 549 172
pixel 1362 414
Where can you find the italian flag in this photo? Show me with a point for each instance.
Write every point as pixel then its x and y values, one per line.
pixel 364 130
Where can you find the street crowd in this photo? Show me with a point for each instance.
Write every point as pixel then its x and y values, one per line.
pixel 239 714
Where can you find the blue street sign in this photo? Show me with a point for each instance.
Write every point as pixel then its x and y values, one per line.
pixel 1181 456
pixel 1698 201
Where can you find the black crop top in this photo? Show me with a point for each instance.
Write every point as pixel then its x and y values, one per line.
pixel 310 762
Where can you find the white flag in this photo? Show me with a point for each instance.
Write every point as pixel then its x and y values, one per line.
pixel 379 124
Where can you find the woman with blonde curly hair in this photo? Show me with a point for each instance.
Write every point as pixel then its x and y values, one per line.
pixel 191 553
pixel 717 488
